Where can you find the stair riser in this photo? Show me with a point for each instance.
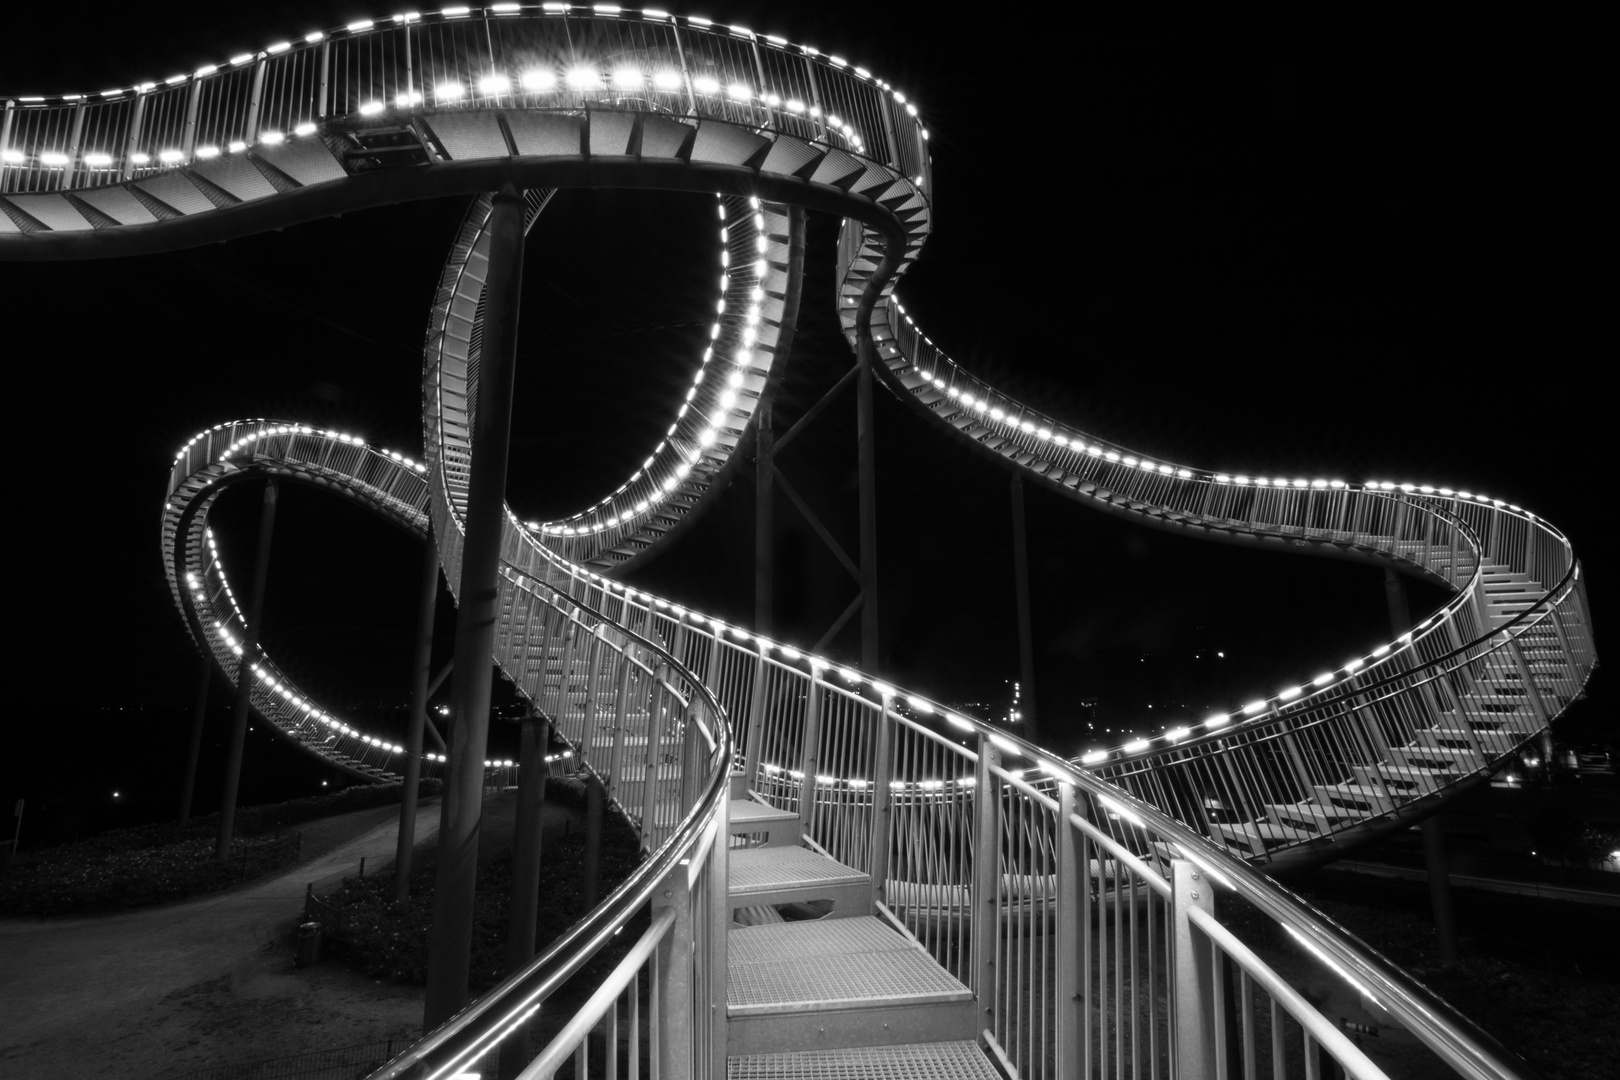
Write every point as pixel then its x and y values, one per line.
pixel 826 1029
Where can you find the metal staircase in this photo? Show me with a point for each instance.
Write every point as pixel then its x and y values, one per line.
pixel 890 888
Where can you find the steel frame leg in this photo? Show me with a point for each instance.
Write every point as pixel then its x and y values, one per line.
pixel 450 945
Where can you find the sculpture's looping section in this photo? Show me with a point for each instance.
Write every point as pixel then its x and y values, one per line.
pixel 536 100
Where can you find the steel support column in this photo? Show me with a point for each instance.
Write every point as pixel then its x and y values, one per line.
pixel 764 522
pixel 244 671
pixel 867 464
pixel 450 946
pixel 525 895
pixel 1026 641
pixel 199 713
pixel 421 664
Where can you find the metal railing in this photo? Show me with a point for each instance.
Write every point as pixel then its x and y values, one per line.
pixel 502 56
pixel 1077 904
pixel 1382 736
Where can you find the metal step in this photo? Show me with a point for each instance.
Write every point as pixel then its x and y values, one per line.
pixel 754 819
pixel 789 875
pixel 836 984
pixel 961 1060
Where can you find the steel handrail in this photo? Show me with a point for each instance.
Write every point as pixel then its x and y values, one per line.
pixel 571 949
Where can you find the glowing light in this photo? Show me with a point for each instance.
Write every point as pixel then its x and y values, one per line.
pixel 494 84
pixel 584 78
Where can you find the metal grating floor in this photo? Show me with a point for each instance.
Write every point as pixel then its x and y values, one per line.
pixel 832 964
pixel 913 1061
pixel 809 940
pixel 767 869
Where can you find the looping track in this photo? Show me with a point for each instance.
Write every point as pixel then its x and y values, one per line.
pixel 1360 747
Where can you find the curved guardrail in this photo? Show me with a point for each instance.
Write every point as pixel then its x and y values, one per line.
pixel 886 782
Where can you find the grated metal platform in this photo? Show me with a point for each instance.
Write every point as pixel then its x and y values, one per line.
pixel 960 1060
pixel 755 870
pixel 832 964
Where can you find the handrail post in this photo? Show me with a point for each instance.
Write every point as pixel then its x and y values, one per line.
pixel 719 929
pixel 6 119
pixel 649 801
pixel 593 675
pixel 809 758
pixel 986 930
pixel 1192 975
pixel 1069 1006
pixel 188 142
pixel 672 997
pixel 882 803
pixel 621 710
pixel 326 68
pixel 755 723
pixel 74 135
pixel 255 97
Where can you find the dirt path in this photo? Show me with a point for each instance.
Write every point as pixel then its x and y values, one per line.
pixel 201 982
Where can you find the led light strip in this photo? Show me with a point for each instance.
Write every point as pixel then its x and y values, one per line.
pixel 531 80
pixel 1009 419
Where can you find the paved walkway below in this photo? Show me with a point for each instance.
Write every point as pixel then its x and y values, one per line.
pixel 200 982
pixel 1485 884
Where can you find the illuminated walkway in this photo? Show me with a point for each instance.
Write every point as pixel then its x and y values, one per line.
pixel 835 787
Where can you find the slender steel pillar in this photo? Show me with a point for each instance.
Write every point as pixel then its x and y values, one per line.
pixel 450 944
pixel 244 671
pixel 421 662
pixel 1434 840
pixel 525 896
pixel 764 522
pixel 199 713
pixel 1026 638
pixel 1434 854
pixel 867 454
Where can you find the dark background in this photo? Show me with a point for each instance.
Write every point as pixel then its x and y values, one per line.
pixel 1364 247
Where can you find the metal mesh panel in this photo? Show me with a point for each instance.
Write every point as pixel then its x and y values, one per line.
pixel 470 134
pixel 914 1061
pixel 545 134
pixel 760 869
pixel 53 211
pixel 174 190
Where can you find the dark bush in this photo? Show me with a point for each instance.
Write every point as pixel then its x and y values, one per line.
pixel 389 940
pixel 160 863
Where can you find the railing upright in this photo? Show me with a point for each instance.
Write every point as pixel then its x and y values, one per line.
pixel 986 878
pixel 649 810
pixel 755 723
pixel 882 803
pixel 1197 1024
pixel 1073 1039
pixel 809 759
pixel 671 1016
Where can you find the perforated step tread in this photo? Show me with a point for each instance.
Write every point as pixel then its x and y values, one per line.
pixel 835 964
pixel 764 870
pixel 961 1060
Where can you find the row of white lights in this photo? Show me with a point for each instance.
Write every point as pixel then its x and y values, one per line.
pixel 364 25
pixel 589 522
pixel 97 160
pixel 1047 431
pixel 582 77
pixel 200 600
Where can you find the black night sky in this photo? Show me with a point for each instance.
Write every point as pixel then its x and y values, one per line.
pixel 1370 250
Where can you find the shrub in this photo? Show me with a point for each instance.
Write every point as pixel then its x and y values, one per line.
pixel 161 863
pixel 386 940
